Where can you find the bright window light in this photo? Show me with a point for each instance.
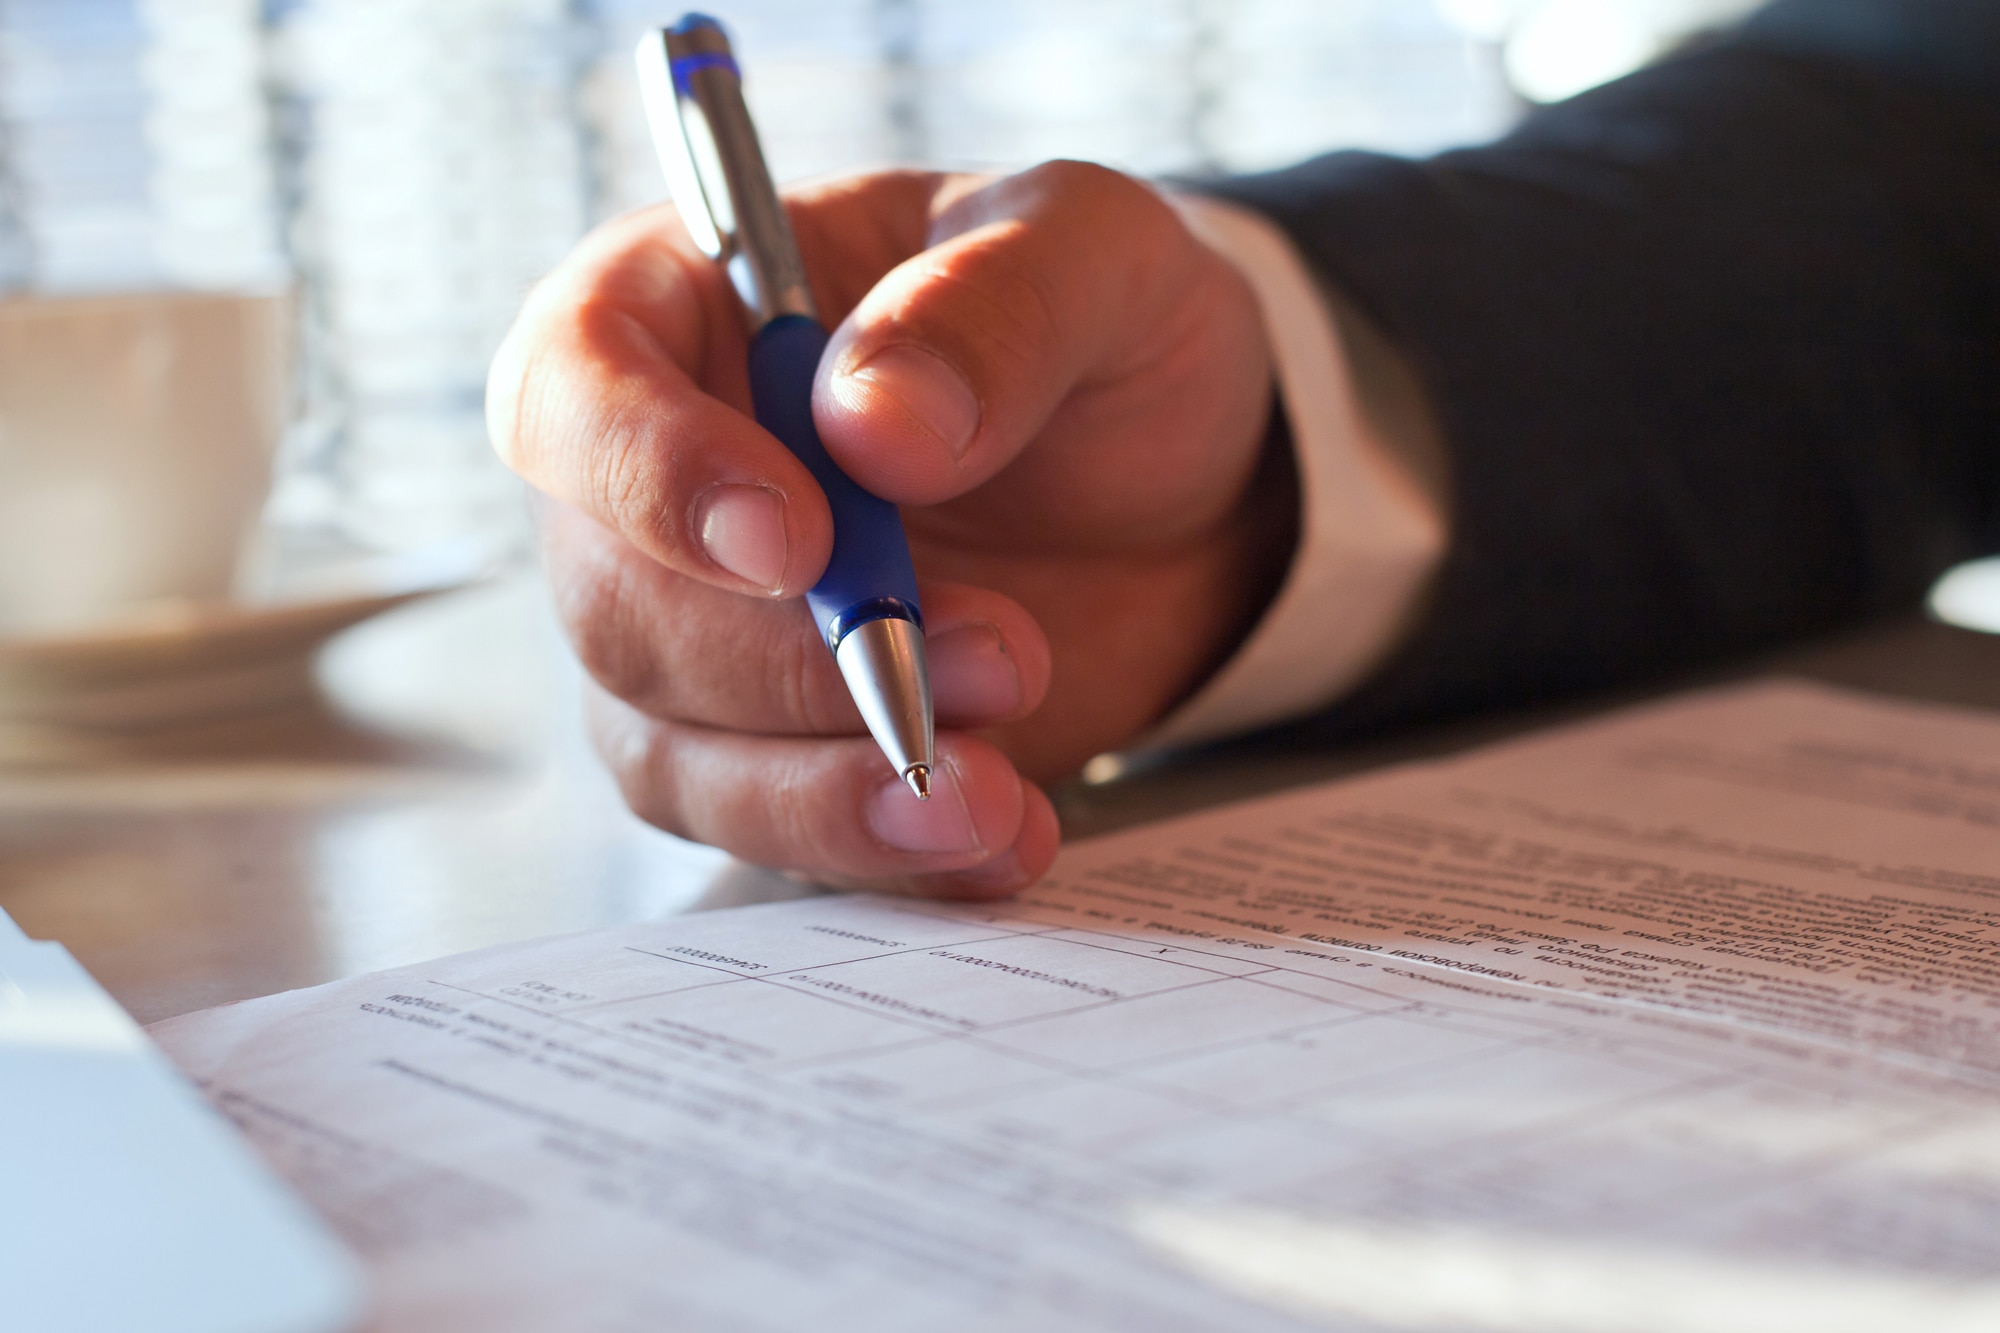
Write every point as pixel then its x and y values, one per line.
pixel 1969 596
pixel 1565 46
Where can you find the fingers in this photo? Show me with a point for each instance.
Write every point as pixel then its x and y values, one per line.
pixel 678 649
pixel 832 808
pixel 956 358
pixel 622 390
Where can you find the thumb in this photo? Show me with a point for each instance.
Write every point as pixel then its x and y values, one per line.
pixel 957 358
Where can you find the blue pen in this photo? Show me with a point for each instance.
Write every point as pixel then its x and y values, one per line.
pixel 865 605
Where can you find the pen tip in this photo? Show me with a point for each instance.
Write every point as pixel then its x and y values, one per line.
pixel 919 778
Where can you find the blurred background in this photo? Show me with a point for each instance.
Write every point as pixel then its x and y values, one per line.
pixel 238 231
pixel 406 168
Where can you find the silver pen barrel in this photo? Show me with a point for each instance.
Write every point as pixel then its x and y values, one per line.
pixel 757 245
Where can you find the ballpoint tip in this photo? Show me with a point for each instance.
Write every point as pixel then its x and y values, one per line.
pixel 919 778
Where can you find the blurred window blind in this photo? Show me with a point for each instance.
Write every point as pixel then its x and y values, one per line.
pixel 435 167
pixel 136 152
pixel 411 166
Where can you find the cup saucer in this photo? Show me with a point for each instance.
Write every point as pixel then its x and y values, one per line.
pixel 177 661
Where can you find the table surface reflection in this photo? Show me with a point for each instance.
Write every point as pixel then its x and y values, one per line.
pixel 443 798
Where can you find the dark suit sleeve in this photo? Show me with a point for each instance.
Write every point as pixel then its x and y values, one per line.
pixel 1715 349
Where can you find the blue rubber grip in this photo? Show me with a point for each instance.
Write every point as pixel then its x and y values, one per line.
pixel 869 576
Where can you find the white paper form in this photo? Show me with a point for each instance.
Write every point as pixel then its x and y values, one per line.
pixel 1789 854
pixel 1143 1097
pixel 124 1203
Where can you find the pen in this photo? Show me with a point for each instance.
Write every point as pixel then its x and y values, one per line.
pixel 865 605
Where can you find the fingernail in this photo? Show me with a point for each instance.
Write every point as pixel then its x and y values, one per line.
pixel 941 824
pixel 929 389
pixel 972 674
pixel 742 529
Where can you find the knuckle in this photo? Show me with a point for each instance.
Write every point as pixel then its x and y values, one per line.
pixel 601 604
pixel 631 481
pixel 624 482
pixel 1099 192
pixel 571 415
pixel 795 811
pixel 1067 177
pixel 800 664
pixel 1096 200
pixel 531 361
pixel 518 387
pixel 1004 297
pixel 640 756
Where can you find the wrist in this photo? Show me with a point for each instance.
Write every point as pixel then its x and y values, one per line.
pixel 1253 553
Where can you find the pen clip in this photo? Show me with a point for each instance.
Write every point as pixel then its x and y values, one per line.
pixel 715 168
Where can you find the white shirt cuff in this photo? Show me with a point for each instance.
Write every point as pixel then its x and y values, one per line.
pixel 1370 534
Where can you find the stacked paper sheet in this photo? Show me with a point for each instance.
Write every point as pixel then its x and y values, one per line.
pixel 129 1205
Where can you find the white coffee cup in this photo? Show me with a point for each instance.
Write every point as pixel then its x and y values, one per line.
pixel 136 438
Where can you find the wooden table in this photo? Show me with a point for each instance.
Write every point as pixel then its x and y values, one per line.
pixel 444 798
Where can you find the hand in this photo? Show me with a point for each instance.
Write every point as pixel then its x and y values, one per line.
pixel 1069 396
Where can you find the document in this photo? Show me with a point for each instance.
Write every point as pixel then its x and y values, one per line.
pixel 1683 1020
